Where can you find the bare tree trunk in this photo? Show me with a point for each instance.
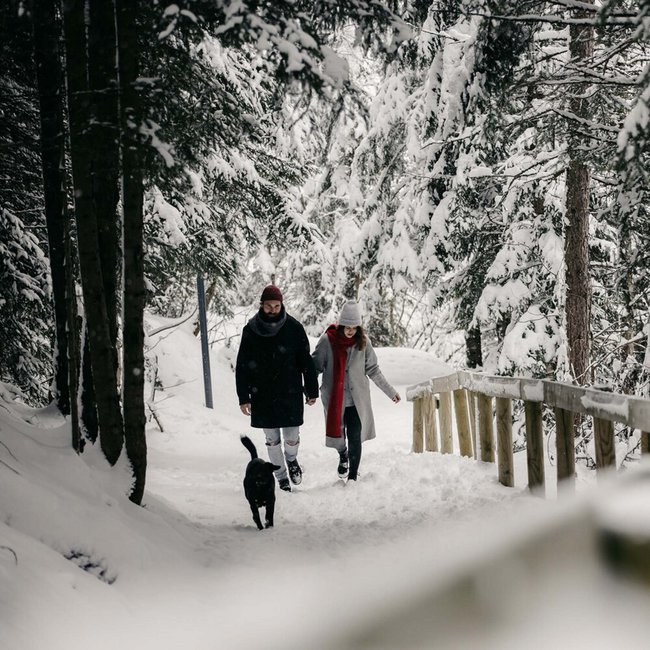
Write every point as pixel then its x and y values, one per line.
pixel 47 58
pixel 102 78
pixel 503 322
pixel 474 352
pixel 74 335
pixel 88 398
pixel 134 285
pixel 578 298
pixel 102 353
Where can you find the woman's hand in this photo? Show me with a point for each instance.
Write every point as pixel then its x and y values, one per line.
pixel 397 398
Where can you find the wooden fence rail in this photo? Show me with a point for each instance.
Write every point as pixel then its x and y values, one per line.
pixel 478 400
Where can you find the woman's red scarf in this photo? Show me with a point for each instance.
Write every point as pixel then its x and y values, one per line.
pixel 340 345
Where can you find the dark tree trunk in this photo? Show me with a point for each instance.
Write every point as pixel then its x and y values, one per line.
pixel 74 335
pixel 134 285
pixel 578 298
pixel 474 352
pixel 503 323
pixel 102 352
pixel 47 58
pixel 578 292
pixel 88 398
pixel 102 77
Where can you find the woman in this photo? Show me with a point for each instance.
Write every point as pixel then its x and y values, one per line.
pixel 345 357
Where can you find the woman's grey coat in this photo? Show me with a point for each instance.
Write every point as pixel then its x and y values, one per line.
pixel 360 365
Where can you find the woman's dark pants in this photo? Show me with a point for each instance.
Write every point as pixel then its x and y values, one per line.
pixel 352 425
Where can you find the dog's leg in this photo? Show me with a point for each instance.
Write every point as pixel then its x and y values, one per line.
pixel 256 517
pixel 270 509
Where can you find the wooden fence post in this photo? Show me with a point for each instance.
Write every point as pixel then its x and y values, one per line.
pixel 504 441
pixel 417 426
pixel 645 442
pixel 430 426
pixel 486 428
pixel 535 448
pixel 462 423
pixel 565 448
pixel 471 401
pixel 446 438
pixel 604 443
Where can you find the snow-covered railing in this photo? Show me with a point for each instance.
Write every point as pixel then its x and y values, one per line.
pixel 523 582
pixel 472 394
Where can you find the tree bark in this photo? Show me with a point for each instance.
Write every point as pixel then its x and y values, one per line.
pixel 74 335
pixel 47 57
pixel 578 292
pixel 134 284
pixel 102 79
pixel 88 398
pixel 576 251
pixel 474 353
pixel 503 322
pixel 102 353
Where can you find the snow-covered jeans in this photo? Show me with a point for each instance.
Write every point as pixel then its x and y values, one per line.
pixel 291 437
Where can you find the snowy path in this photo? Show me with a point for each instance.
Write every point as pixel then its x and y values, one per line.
pixel 197 466
pixel 332 542
pixel 191 570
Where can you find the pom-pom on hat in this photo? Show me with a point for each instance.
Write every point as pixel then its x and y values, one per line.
pixel 271 292
pixel 350 315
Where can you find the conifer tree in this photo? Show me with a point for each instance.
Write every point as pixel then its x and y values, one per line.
pixel 25 334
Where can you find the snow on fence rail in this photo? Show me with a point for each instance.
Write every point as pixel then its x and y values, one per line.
pixel 472 395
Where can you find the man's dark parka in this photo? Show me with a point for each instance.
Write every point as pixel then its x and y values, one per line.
pixel 274 373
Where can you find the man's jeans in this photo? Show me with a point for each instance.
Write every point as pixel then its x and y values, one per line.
pixel 291 436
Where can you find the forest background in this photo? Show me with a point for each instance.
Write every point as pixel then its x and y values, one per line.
pixel 475 172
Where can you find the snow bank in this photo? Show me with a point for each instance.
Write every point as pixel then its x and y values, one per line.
pixel 80 566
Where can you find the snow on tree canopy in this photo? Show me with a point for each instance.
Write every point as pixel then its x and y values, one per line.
pixel 172 221
pixel 635 123
pixel 531 343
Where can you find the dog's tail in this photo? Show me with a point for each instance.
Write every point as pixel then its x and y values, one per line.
pixel 248 443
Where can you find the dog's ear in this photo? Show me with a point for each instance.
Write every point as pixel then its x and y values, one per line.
pixel 271 467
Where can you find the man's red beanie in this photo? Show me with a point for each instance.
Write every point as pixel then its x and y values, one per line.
pixel 271 292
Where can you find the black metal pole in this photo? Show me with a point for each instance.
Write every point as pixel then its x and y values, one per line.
pixel 205 349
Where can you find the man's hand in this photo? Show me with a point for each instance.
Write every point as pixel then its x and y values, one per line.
pixel 397 398
pixel 311 401
pixel 245 408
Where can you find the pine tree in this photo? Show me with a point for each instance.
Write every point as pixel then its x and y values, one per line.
pixel 25 335
pixel 48 63
pixel 24 311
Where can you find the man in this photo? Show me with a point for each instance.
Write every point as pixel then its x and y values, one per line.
pixel 274 370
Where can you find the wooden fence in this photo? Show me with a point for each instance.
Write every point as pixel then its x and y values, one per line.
pixel 472 395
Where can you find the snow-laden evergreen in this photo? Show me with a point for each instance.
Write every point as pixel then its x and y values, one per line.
pixel 24 307
pixel 449 197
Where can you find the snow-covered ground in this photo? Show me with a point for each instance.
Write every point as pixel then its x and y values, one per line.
pixel 190 569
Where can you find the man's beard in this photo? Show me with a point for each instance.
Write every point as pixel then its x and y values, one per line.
pixel 270 318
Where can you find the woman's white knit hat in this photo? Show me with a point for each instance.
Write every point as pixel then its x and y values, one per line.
pixel 350 315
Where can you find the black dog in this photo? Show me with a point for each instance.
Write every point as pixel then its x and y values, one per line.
pixel 259 485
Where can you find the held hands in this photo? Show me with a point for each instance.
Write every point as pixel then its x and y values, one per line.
pixel 310 401
pixel 397 398
pixel 246 408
